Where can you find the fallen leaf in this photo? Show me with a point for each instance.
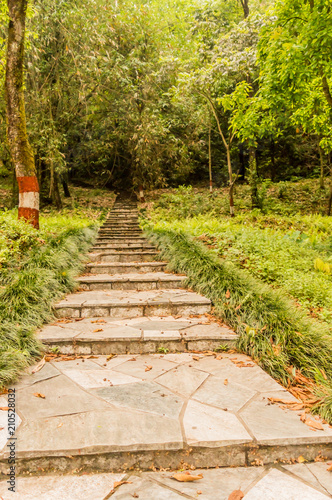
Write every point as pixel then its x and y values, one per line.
pixel 110 356
pixel 186 477
pixel 38 366
pixel 148 368
pixel 314 424
pixel 196 358
pixel 228 294
pixel 135 495
pixel 39 395
pixel 119 483
pixel 199 492
pixel 60 425
pixel 226 381
pixel 4 408
pixel 329 469
pixel 236 495
pixel 301 459
pixel 98 330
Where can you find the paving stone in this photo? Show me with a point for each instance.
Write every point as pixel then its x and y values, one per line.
pixel 203 331
pixel 9 422
pixel 145 490
pixel 226 395
pixel 208 426
pixel 87 487
pixel 97 431
pixel 278 485
pixel 112 333
pixel 46 372
pixel 56 332
pixel 106 363
pixel 99 378
pixel 138 368
pixel 271 425
pixel 217 484
pixel 145 396
pixel 76 364
pixel 161 335
pixel 315 473
pixel 162 325
pixel 182 380
pixel 62 397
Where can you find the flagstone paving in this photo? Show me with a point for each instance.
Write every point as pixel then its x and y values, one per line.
pixel 140 382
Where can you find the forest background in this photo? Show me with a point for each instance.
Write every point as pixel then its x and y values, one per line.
pixel 220 112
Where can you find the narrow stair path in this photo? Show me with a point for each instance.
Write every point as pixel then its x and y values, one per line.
pixel 137 383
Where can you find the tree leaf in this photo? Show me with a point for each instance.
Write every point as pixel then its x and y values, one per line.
pixel 186 477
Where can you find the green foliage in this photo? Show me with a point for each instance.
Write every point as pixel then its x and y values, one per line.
pixel 36 268
pixel 271 328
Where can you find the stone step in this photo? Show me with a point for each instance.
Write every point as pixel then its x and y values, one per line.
pixel 125 267
pixel 118 225
pixel 120 232
pixel 143 412
pixel 120 241
pixel 283 482
pixel 121 238
pixel 119 247
pixel 136 336
pixel 132 281
pixel 123 246
pixel 126 304
pixel 123 256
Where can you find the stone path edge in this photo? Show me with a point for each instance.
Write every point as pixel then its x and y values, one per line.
pixel 246 455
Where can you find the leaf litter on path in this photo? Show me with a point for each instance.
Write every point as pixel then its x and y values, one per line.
pixel 186 477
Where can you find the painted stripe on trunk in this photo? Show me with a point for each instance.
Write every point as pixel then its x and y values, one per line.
pixel 29 200
pixel 30 214
pixel 28 184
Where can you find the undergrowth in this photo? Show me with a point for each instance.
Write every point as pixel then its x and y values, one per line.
pixel 277 334
pixel 36 268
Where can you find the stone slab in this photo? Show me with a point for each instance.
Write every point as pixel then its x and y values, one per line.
pixel 87 487
pixel 212 427
pixel 182 380
pixel 277 485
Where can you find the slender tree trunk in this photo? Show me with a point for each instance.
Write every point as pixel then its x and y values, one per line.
pixel 231 182
pixel 321 160
pixel 245 7
pixel 141 194
pixel 20 148
pixel 253 178
pixel 64 182
pixel 330 195
pixel 210 160
pixel 56 193
pixel 14 191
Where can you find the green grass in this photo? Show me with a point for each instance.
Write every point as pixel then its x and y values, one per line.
pixel 279 336
pixel 258 269
pixel 36 269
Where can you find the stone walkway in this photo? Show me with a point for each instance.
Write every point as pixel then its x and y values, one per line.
pixel 140 381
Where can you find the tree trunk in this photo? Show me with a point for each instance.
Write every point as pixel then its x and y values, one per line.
pixel 141 194
pixel 253 178
pixel 321 160
pixel 245 7
pixel 210 161
pixel 20 148
pixel 64 182
pixel 231 182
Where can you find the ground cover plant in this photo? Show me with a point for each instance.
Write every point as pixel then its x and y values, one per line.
pixel 36 269
pixel 268 275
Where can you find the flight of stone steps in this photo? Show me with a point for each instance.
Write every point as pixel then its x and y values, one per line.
pixel 137 380
pixel 126 279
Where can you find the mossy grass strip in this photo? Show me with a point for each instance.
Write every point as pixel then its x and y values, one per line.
pixel 29 285
pixel 276 333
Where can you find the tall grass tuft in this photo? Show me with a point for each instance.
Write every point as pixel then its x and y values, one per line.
pixel 277 334
pixel 30 281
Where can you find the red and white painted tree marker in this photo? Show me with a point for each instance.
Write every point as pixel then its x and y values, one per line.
pixel 28 206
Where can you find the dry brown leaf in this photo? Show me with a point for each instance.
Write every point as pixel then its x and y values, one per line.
pixel 98 330
pixel 329 469
pixel 196 358
pixel 236 495
pixel 226 381
pixel 228 294
pixel 110 356
pixel 314 424
pixel 119 483
pixel 186 477
pixel 148 368
pixel 60 425
pixel 38 366
pixel 39 395
pixel 219 357
pixel 323 373
pixel 4 408
pixel 301 459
